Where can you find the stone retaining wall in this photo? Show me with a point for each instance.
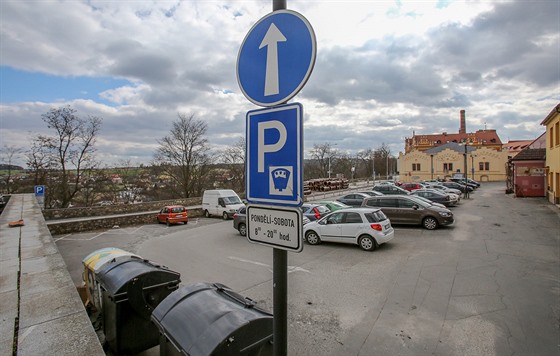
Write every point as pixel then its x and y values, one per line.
pixel 69 213
pixel 108 222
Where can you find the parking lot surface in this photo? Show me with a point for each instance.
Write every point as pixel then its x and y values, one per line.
pixel 487 285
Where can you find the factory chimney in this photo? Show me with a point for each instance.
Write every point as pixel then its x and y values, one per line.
pixel 463 128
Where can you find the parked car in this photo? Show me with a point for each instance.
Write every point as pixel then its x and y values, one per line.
pixel 314 211
pixel 334 205
pixel 367 228
pixel 401 209
pixel 470 182
pixel 221 202
pixel 417 197
pixel 240 220
pixel 436 196
pixel 353 199
pixel 389 189
pixel 454 185
pixel 412 186
pixel 445 189
pixel 371 193
pixel 173 214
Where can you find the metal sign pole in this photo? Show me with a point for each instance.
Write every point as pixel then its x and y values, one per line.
pixel 280 277
pixel 280 301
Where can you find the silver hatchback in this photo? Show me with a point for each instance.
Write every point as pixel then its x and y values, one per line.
pixel 365 227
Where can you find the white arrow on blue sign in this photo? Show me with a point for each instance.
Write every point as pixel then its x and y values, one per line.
pixel 275 155
pixel 276 58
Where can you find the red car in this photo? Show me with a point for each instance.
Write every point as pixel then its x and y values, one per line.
pixel 173 214
pixel 412 186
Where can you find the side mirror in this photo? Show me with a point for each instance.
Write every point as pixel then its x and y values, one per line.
pixel 223 205
pixel 415 207
pixel 322 222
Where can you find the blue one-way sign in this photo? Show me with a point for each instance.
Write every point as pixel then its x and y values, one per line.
pixel 275 155
pixel 276 58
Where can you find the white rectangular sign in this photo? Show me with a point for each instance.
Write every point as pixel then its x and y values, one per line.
pixel 275 226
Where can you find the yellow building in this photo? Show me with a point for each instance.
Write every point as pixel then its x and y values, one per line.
pixel 552 123
pixel 483 163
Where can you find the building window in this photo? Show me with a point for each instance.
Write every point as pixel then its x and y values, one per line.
pixel 416 166
pixel 551 137
pixel 483 166
pixel 557 133
pixel 447 167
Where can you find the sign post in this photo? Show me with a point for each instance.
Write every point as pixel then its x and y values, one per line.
pixel 274 62
pixel 40 195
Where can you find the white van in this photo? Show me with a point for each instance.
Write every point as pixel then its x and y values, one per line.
pixel 224 202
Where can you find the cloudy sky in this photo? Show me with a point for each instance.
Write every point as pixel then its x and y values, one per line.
pixel 384 69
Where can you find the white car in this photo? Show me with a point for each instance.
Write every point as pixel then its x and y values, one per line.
pixel 365 227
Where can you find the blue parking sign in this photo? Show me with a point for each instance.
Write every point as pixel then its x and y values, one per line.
pixel 39 190
pixel 275 155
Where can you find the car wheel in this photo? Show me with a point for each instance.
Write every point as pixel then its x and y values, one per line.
pixel 225 216
pixel 167 222
pixel 242 229
pixel 312 238
pixel 367 243
pixel 430 223
pixel 206 214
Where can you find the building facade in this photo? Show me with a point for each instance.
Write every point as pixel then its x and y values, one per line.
pixel 482 164
pixel 529 178
pixel 552 165
pixel 481 138
pixel 436 156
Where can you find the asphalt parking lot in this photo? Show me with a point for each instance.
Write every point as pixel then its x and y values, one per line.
pixel 487 285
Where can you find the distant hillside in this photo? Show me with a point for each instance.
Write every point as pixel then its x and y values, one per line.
pixel 10 166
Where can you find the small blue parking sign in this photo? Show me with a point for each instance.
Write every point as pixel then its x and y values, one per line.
pixel 275 155
pixel 39 190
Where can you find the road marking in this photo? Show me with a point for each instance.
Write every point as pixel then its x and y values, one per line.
pixel 128 231
pixel 24 335
pixel 290 268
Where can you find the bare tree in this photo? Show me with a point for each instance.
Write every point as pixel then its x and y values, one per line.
pixel 9 154
pixel 68 154
pixel 183 155
pixel 234 159
pixel 383 155
pixel 323 157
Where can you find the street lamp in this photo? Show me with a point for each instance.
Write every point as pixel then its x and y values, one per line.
pixel 472 166
pixel 466 172
pixel 330 154
pixel 432 165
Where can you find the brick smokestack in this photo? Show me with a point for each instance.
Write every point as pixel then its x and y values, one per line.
pixel 463 128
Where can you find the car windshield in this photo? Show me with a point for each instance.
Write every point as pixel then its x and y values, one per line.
pixel 421 200
pixel 322 209
pixel 375 216
pixel 232 200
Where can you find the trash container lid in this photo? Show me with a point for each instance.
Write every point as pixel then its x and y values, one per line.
pixel 197 318
pixel 98 258
pixel 115 276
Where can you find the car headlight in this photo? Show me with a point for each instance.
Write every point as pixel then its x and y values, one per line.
pixel 445 214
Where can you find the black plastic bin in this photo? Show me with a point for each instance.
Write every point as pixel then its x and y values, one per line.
pixel 211 319
pixel 131 290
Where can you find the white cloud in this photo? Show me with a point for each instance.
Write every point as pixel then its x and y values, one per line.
pixel 384 69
